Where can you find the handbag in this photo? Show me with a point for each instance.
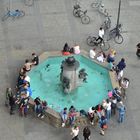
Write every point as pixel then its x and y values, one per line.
pixel 105 126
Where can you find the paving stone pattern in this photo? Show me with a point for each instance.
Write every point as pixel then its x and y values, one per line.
pixel 47 25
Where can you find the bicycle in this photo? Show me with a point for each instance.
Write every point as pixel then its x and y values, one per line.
pixel 14 14
pixel 115 33
pixel 28 2
pixel 92 41
pixel 107 23
pixel 100 7
pixel 77 12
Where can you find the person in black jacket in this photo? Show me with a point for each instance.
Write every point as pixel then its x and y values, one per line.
pixel 12 103
pixel 86 133
pixel 35 59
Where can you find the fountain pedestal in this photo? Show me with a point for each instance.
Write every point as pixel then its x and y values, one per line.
pixel 69 74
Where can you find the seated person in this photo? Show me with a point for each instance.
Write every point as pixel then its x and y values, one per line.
pixel 27 66
pixel 101 57
pixel 37 102
pixel 92 53
pixel 64 116
pixel 66 49
pixel 72 114
pixel 116 93
pixel 110 58
pixel 35 59
pixel 76 49
pixel 42 109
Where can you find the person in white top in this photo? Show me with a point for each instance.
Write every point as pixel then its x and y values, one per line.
pixel 108 109
pixel 101 35
pixel 91 115
pixel 76 49
pixel 75 132
pixel 101 57
pixel 92 53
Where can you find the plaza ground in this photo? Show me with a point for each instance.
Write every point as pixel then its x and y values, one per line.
pixel 47 25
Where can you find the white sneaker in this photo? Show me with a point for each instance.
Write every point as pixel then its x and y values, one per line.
pixel 92 123
pixel 38 115
pixel 42 117
pixel 63 124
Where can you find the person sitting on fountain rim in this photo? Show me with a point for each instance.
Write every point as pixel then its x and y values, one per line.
pixel 35 59
pixel 66 49
pixel 64 116
pixel 72 115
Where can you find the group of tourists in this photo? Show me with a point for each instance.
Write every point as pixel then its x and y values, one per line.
pixel 112 106
pixel 23 90
pixel 99 114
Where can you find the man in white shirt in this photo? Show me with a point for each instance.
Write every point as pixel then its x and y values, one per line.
pixel 101 35
pixel 92 53
pixel 75 132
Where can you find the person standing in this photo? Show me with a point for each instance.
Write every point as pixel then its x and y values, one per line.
pixel 121 110
pixel 108 109
pixel 103 125
pixel 75 132
pixel 101 35
pixel 121 65
pixel 12 103
pixel 86 133
pixel 64 116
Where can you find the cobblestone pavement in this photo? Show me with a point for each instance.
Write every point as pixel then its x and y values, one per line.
pixel 47 25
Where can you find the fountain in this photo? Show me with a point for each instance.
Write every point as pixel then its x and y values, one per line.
pixel 69 76
pixel 63 81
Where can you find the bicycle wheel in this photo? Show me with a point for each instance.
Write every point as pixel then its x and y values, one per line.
pixel 94 5
pixel 91 41
pixel 5 17
pixel 105 46
pixel 118 39
pixel 28 2
pixel 85 19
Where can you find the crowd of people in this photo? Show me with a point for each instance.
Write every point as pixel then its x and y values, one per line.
pixel 112 106
pixel 99 114
pixel 19 99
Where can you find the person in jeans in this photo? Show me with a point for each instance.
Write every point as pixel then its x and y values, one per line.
pixel 86 133
pixel 72 115
pixel 64 116
pixel 121 110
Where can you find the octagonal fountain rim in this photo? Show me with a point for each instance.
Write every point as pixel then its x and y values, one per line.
pixel 51 116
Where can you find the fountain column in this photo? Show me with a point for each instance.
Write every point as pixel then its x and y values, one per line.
pixel 69 74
